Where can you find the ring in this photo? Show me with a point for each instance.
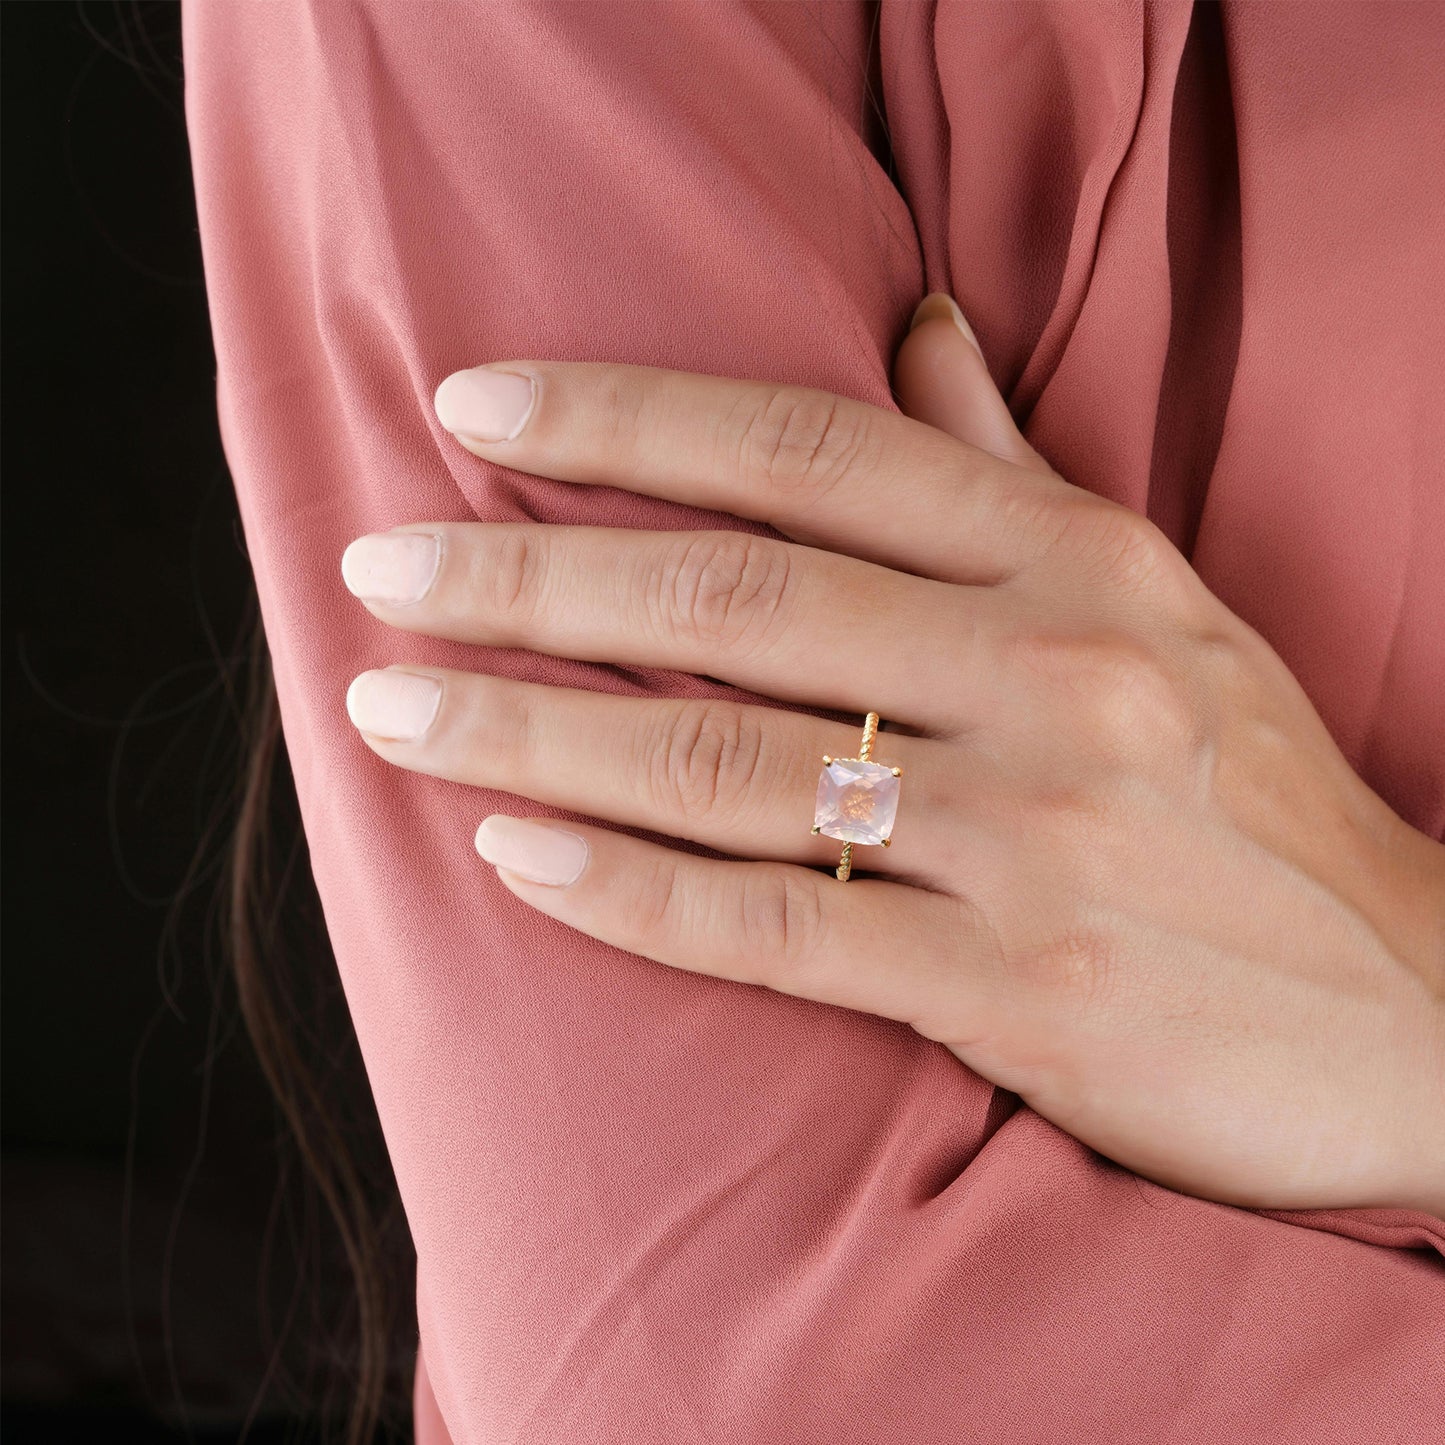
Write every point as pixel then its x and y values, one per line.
pixel 857 799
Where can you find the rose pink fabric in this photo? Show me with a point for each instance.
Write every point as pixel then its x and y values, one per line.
pixel 1203 253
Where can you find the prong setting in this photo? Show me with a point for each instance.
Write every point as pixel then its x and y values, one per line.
pixel 857 799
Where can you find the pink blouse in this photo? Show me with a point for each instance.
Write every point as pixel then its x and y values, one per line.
pixel 1204 251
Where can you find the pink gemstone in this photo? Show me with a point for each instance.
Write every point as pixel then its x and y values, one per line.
pixel 857 802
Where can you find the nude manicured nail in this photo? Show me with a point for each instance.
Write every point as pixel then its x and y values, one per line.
pixel 391 567
pixel 540 854
pixel 395 705
pixel 491 406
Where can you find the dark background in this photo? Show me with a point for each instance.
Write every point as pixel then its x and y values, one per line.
pixel 152 1220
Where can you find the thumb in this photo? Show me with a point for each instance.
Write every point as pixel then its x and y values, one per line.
pixel 939 377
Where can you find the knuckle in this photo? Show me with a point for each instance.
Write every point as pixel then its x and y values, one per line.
pixel 708 761
pixel 781 925
pixel 509 574
pixel 729 587
pixel 623 407
pixel 802 441
pixel 1122 696
pixel 1134 699
pixel 1228 663
pixel 1026 512
pixel 1134 550
pixel 1076 966
pixel 500 714
pixel 653 907
pixel 1121 548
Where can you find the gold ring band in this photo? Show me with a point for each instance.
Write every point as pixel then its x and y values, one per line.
pixel 857 799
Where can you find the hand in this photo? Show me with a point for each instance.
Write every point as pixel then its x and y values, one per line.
pixel 1132 878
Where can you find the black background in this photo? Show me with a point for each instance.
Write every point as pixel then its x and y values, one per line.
pixel 148 1234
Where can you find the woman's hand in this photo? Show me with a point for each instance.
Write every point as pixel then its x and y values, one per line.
pixel 1132 878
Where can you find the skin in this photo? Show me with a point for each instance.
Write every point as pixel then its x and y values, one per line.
pixel 1132 879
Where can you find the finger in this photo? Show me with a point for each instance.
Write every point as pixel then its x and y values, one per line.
pixel 792 622
pixel 939 377
pixel 869 943
pixel 820 468
pixel 737 777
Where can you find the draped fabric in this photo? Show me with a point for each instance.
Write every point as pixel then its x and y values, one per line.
pixel 1203 248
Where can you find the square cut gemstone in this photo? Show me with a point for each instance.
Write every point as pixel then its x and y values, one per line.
pixel 857 801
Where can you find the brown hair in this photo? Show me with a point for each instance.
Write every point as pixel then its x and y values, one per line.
pixel 294 1011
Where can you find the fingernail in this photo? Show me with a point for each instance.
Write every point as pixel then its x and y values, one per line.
pixel 395 705
pixel 395 567
pixel 490 406
pixel 539 853
pixel 938 304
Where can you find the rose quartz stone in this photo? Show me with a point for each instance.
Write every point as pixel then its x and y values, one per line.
pixel 857 802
